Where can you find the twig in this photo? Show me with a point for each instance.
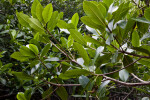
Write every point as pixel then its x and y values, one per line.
pixel 138 78
pixel 119 69
pixel 128 94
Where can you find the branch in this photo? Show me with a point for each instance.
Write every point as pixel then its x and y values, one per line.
pixel 119 69
pixel 138 78
pixel 125 83
pixel 128 94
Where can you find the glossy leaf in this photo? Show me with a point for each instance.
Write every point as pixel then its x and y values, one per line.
pixel 27 52
pixel 124 75
pixel 94 12
pixel 19 56
pixel 20 96
pixel 39 10
pixel 83 80
pixel 23 19
pixel 135 39
pixel 62 93
pixel 45 50
pixel 33 8
pixel 75 19
pixel 22 76
pixel 73 73
pixel 87 20
pixel 47 12
pixel 147 13
pixel 126 61
pixel 47 93
pixel 141 19
pixel 82 53
pixel 34 48
pixel 35 24
pixel 77 36
pixel 102 9
pixel 92 40
pixel 53 21
pixel 108 2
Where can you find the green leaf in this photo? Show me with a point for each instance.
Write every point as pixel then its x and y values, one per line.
pixel 142 27
pixel 47 12
pixel 77 36
pixel 75 19
pixel 102 9
pixel 45 50
pixel 35 24
pixel 27 52
pixel 39 10
pixel 87 20
pixel 147 13
pixel 74 73
pixel 53 21
pixel 62 24
pixel 121 12
pixel 34 48
pixel 64 42
pixel 62 93
pixel 108 2
pixel 126 61
pixel 83 80
pixel 33 8
pixel 135 39
pixel 47 93
pixel 141 19
pixel 20 96
pixel 143 49
pixel 70 41
pixel 82 53
pixel 22 75
pixel 19 56
pixel 28 93
pixel 94 12
pixel 124 75
pixel 23 19
pixel 92 40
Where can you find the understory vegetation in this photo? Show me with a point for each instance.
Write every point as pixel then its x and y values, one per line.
pixel 74 50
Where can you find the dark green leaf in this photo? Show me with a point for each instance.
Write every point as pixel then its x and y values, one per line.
pixel 147 13
pixel 135 39
pixel 34 48
pixel 74 73
pixel 22 75
pixel 83 80
pixel 126 61
pixel 62 93
pixel 45 50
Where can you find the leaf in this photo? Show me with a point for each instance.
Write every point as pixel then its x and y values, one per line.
pixel 19 56
pixel 47 12
pixel 92 40
pixel 22 75
pixel 70 41
pixel 34 48
pixel 73 73
pixel 20 96
pixel 143 49
pixel 108 2
pixel 121 12
pixel 27 52
pixel 141 19
pixel 45 50
pixel 75 19
pixel 142 27
pixel 77 36
pixel 39 10
pixel 62 93
pixel 35 24
pixel 47 93
pixel 102 9
pixel 102 89
pixel 83 80
pixel 94 12
pixel 62 24
pixel 23 19
pixel 126 61
pixel 147 13
pixel 33 8
pixel 124 75
pixel 28 93
pixel 64 42
pixel 135 39
pixel 53 21
pixel 82 53
pixel 87 20
pixel 145 98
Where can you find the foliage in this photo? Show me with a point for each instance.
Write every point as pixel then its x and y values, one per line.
pixel 55 54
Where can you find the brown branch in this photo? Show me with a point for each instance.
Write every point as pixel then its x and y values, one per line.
pixel 119 69
pixel 125 83
pixel 128 94
pixel 138 78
